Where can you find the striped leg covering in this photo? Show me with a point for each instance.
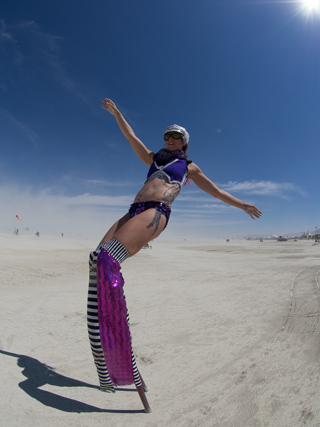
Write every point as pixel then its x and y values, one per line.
pixel 93 326
pixel 112 353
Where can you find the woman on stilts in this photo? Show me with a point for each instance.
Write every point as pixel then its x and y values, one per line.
pixel 108 319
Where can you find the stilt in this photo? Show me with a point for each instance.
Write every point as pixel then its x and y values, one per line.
pixel 142 389
pixel 113 338
pixel 143 398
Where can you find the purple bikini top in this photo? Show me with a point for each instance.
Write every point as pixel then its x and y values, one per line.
pixel 170 166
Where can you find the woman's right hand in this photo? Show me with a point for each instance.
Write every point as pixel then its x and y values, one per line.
pixel 110 106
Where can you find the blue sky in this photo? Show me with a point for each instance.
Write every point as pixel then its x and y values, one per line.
pixel 241 76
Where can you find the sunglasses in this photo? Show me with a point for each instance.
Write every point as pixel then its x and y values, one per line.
pixel 174 135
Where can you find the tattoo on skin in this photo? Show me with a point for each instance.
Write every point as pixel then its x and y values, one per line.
pixel 171 194
pixel 155 221
pixel 139 197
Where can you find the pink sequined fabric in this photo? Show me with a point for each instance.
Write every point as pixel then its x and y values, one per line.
pixel 113 325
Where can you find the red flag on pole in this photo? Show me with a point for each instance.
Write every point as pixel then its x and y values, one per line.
pixel 18 218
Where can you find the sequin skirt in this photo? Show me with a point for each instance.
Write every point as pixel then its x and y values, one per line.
pixel 112 313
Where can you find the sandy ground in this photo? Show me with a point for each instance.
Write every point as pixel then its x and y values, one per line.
pixel 225 334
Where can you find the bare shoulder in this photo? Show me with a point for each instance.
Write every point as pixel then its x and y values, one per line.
pixel 193 170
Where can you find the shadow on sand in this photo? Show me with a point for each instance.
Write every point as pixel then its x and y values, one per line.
pixel 38 374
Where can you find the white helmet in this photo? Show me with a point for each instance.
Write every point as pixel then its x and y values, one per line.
pixel 180 129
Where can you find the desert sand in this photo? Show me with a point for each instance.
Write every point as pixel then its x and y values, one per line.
pixel 225 334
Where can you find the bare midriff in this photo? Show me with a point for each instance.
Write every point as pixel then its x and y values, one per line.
pixel 159 190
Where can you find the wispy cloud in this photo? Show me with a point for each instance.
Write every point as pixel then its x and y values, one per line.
pixel 18 124
pixel 32 46
pixel 103 183
pixel 283 190
pixel 5 36
pixel 89 200
pixel 71 185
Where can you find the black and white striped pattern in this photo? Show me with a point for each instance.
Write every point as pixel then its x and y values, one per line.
pixel 115 249
pixel 93 321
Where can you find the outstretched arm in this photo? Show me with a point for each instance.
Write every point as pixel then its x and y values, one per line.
pixel 138 146
pixel 205 184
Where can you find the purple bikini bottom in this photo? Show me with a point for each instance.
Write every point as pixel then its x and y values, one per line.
pixel 137 208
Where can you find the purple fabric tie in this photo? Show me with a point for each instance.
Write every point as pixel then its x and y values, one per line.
pixel 112 314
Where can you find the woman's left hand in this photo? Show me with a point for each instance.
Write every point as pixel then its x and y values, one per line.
pixel 252 211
